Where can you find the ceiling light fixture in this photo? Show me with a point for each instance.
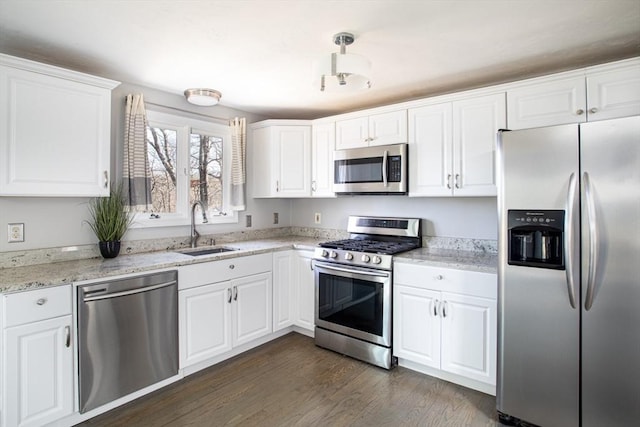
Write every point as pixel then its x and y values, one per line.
pixel 203 97
pixel 342 71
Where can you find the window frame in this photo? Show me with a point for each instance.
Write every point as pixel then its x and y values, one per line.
pixel 184 126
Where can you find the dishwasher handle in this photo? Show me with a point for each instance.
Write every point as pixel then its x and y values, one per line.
pixel 129 292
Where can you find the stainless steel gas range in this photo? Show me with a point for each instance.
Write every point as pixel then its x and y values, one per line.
pixel 353 286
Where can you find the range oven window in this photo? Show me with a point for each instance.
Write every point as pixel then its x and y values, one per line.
pixel 351 302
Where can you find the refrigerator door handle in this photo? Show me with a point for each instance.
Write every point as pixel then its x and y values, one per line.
pixel 569 239
pixel 593 240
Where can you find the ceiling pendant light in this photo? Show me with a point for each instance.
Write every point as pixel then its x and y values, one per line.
pixel 342 71
pixel 202 97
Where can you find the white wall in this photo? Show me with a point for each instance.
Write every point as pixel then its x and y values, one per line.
pixel 443 217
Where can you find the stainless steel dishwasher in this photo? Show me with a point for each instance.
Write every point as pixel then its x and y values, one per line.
pixel 127 336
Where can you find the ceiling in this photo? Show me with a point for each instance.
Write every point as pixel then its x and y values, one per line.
pixel 259 53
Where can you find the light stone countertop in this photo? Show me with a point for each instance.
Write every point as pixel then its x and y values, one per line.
pixel 60 273
pixel 484 262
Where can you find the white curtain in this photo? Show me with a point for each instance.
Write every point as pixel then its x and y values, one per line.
pixel 137 175
pixel 238 163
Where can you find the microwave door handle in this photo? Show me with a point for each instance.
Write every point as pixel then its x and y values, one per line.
pixel 384 168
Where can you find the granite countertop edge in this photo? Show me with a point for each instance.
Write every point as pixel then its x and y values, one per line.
pixel 31 277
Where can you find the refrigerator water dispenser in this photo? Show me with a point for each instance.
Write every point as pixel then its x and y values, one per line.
pixel 535 238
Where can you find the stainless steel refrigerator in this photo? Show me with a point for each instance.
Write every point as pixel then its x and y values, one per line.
pixel 569 274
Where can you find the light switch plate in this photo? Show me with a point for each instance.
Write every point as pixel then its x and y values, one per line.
pixel 15 232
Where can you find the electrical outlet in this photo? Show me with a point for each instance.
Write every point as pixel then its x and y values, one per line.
pixel 317 218
pixel 248 220
pixel 16 232
pixel 275 217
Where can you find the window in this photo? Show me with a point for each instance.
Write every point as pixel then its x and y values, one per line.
pixel 189 161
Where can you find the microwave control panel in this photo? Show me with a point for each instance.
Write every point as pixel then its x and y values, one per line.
pixel 394 169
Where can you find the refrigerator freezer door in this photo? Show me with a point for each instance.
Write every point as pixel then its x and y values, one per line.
pixel 610 163
pixel 538 331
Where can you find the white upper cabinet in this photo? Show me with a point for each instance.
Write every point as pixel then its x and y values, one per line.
pixel 375 129
pixel 613 93
pixel 476 122
pixel 452 146
pixel 553 102
pixel 281 160
pixel 323 143
pixel 55 131
pixel 609 91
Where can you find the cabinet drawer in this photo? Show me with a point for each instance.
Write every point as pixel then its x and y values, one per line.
pixel 447 279
pixel 32 306
pixel 190 276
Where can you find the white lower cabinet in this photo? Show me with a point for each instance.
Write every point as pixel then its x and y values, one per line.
pixel 445 324
pixel 293 290
pixel 223 304
pixel 205 326
pixel 304 291
pixel 38 357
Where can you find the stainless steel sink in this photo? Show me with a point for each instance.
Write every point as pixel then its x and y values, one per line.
pixel 206 251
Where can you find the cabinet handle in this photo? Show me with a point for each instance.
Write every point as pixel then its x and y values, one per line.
pixel 67 331
pixel 313 186
pixel 457 180
pixel 593 110
pixel 580 112
pixel 449 181
pixel 229 293
pixel 106 179
pixel 231 266
pixel 235 293
pixel 41 301
pixel 444 309
pixel 439 277
pixel 435 308
pixel 277 186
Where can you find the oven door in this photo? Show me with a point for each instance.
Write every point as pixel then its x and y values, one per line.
pixel 354 301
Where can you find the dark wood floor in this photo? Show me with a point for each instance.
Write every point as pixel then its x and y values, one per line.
pixel 291 382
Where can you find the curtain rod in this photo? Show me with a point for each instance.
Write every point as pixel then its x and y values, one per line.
pixel 218 119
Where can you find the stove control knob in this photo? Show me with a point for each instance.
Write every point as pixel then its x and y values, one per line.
pixel 376 259
pixel 366 258
pixel 325 253
pixel 333 254
pixel 348 256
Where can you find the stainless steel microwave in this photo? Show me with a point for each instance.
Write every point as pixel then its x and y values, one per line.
pixel 378 169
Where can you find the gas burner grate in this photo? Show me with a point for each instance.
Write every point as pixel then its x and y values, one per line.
pixel 370 246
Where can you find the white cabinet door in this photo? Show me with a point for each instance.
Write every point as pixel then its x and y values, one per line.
pixel 323 143
pixel 613 94
pixel 547 103
pixel 430 150
pixel 305 291
pixel 251 310
pixel 375 129
pixel 283 289
pixel 416 325
pixel 282 161
pixel 388 128
pixel 469 336
pixel 205 322
pixel 352 133
pixel 54 131
pixel 294 147
pixel 476 122
pixel 38 370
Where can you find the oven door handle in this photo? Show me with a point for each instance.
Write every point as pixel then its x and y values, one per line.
pixel 352 271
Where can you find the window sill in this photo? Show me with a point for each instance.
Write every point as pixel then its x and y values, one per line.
pixel 143 221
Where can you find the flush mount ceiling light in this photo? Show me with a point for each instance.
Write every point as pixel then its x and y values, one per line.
pixel 342 71
pixel 202 97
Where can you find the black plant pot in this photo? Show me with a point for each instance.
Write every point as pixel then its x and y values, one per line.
pixel 109 249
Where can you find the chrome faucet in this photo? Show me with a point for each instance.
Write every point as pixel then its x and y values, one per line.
pixel 194 233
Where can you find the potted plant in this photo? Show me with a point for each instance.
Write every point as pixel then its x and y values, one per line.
pixel 109 221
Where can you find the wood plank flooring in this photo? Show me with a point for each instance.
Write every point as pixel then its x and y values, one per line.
pixel 291 382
